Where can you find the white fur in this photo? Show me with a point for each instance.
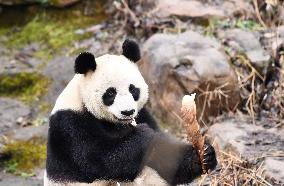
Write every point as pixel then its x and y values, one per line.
pixel 118 72
pixel 70 97
pixel 148 177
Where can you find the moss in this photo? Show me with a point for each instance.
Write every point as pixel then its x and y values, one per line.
pixel 52 34
pixel 45 107
pixel 40 120
pixel 25 86
pixel 51 29
pixel 3 31
pixel 25 156
pixel 248 25
pixel 214 24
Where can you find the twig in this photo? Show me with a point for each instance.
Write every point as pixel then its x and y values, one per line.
pixel 258 14
pixel 131 13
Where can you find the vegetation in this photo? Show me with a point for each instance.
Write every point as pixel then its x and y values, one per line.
pixel 24 156
pixel 52 34
pixel 25 86
pixel 46 26
pixel 215 24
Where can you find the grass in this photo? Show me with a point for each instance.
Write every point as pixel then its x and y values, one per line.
pixel 214 25
pixel 52 34
pixel 25 86
pixel 53 28
pixel 233 170
pixel 24 156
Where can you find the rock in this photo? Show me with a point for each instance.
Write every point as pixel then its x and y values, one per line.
pixel 13 61
pixel 11 180
pixel 248 43
pixel 274 167
pixel 10 111
pixel 175 65
pixel 251 142
pixel 26 133
pixel 186 8
pixel 62 3
pixel 271 39
pixel 60 71
pixel 56 3
pixel 204 9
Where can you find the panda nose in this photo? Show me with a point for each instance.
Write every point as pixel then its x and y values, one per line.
pixel 128 112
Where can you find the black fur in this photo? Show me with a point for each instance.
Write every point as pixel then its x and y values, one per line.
pixel 134 91
pixel 109 96
pixel 84 63
pixel 82 148
pixel 130 49
pixel 145 117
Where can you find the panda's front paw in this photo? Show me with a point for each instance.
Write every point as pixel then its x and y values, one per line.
pixel 209 160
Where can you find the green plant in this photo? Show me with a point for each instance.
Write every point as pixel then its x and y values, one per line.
pixel 25 86
pixel 24 156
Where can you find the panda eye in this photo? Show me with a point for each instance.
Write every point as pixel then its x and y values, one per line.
pixel 134 91
pixel 109 96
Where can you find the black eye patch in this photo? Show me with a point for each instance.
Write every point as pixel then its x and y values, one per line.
pixel 109 96
pixel 134 91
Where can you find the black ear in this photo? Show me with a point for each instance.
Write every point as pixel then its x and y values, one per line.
pixel 130 49
pixel 84 63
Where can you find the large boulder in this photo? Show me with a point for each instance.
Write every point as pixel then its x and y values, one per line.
pixel 205 9
pixel 175 65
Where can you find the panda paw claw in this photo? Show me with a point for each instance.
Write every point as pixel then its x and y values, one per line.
pixel 209 161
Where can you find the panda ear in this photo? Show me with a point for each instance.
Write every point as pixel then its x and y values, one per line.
pixel 130 50
pixel 84 63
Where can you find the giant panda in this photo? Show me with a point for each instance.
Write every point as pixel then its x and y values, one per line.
pixel 100 132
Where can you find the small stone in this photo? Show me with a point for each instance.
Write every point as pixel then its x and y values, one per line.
pixel 80 32
pixel 23 121
pixel 10 111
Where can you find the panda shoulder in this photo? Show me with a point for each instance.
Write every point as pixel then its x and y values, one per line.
pixel 70 98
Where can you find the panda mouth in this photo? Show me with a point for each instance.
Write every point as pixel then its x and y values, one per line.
pixel 129 120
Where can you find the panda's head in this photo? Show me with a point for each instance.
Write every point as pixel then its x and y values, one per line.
pixel 112 87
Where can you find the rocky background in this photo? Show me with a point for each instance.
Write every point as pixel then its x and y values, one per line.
pixel 229 52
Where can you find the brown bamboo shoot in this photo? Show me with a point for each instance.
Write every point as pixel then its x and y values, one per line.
pixel 188 114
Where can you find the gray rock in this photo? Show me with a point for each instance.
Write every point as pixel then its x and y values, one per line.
pixel 10 111
pixel 274 167
pixel 26 133
pixel 231 133
pixel 252 141
pixel 248 43
pixel 204 9
pixel 13 61
pixel 271 39
pixel 175 65
pixel 60 71
pixel 11 180
pixel 56 3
